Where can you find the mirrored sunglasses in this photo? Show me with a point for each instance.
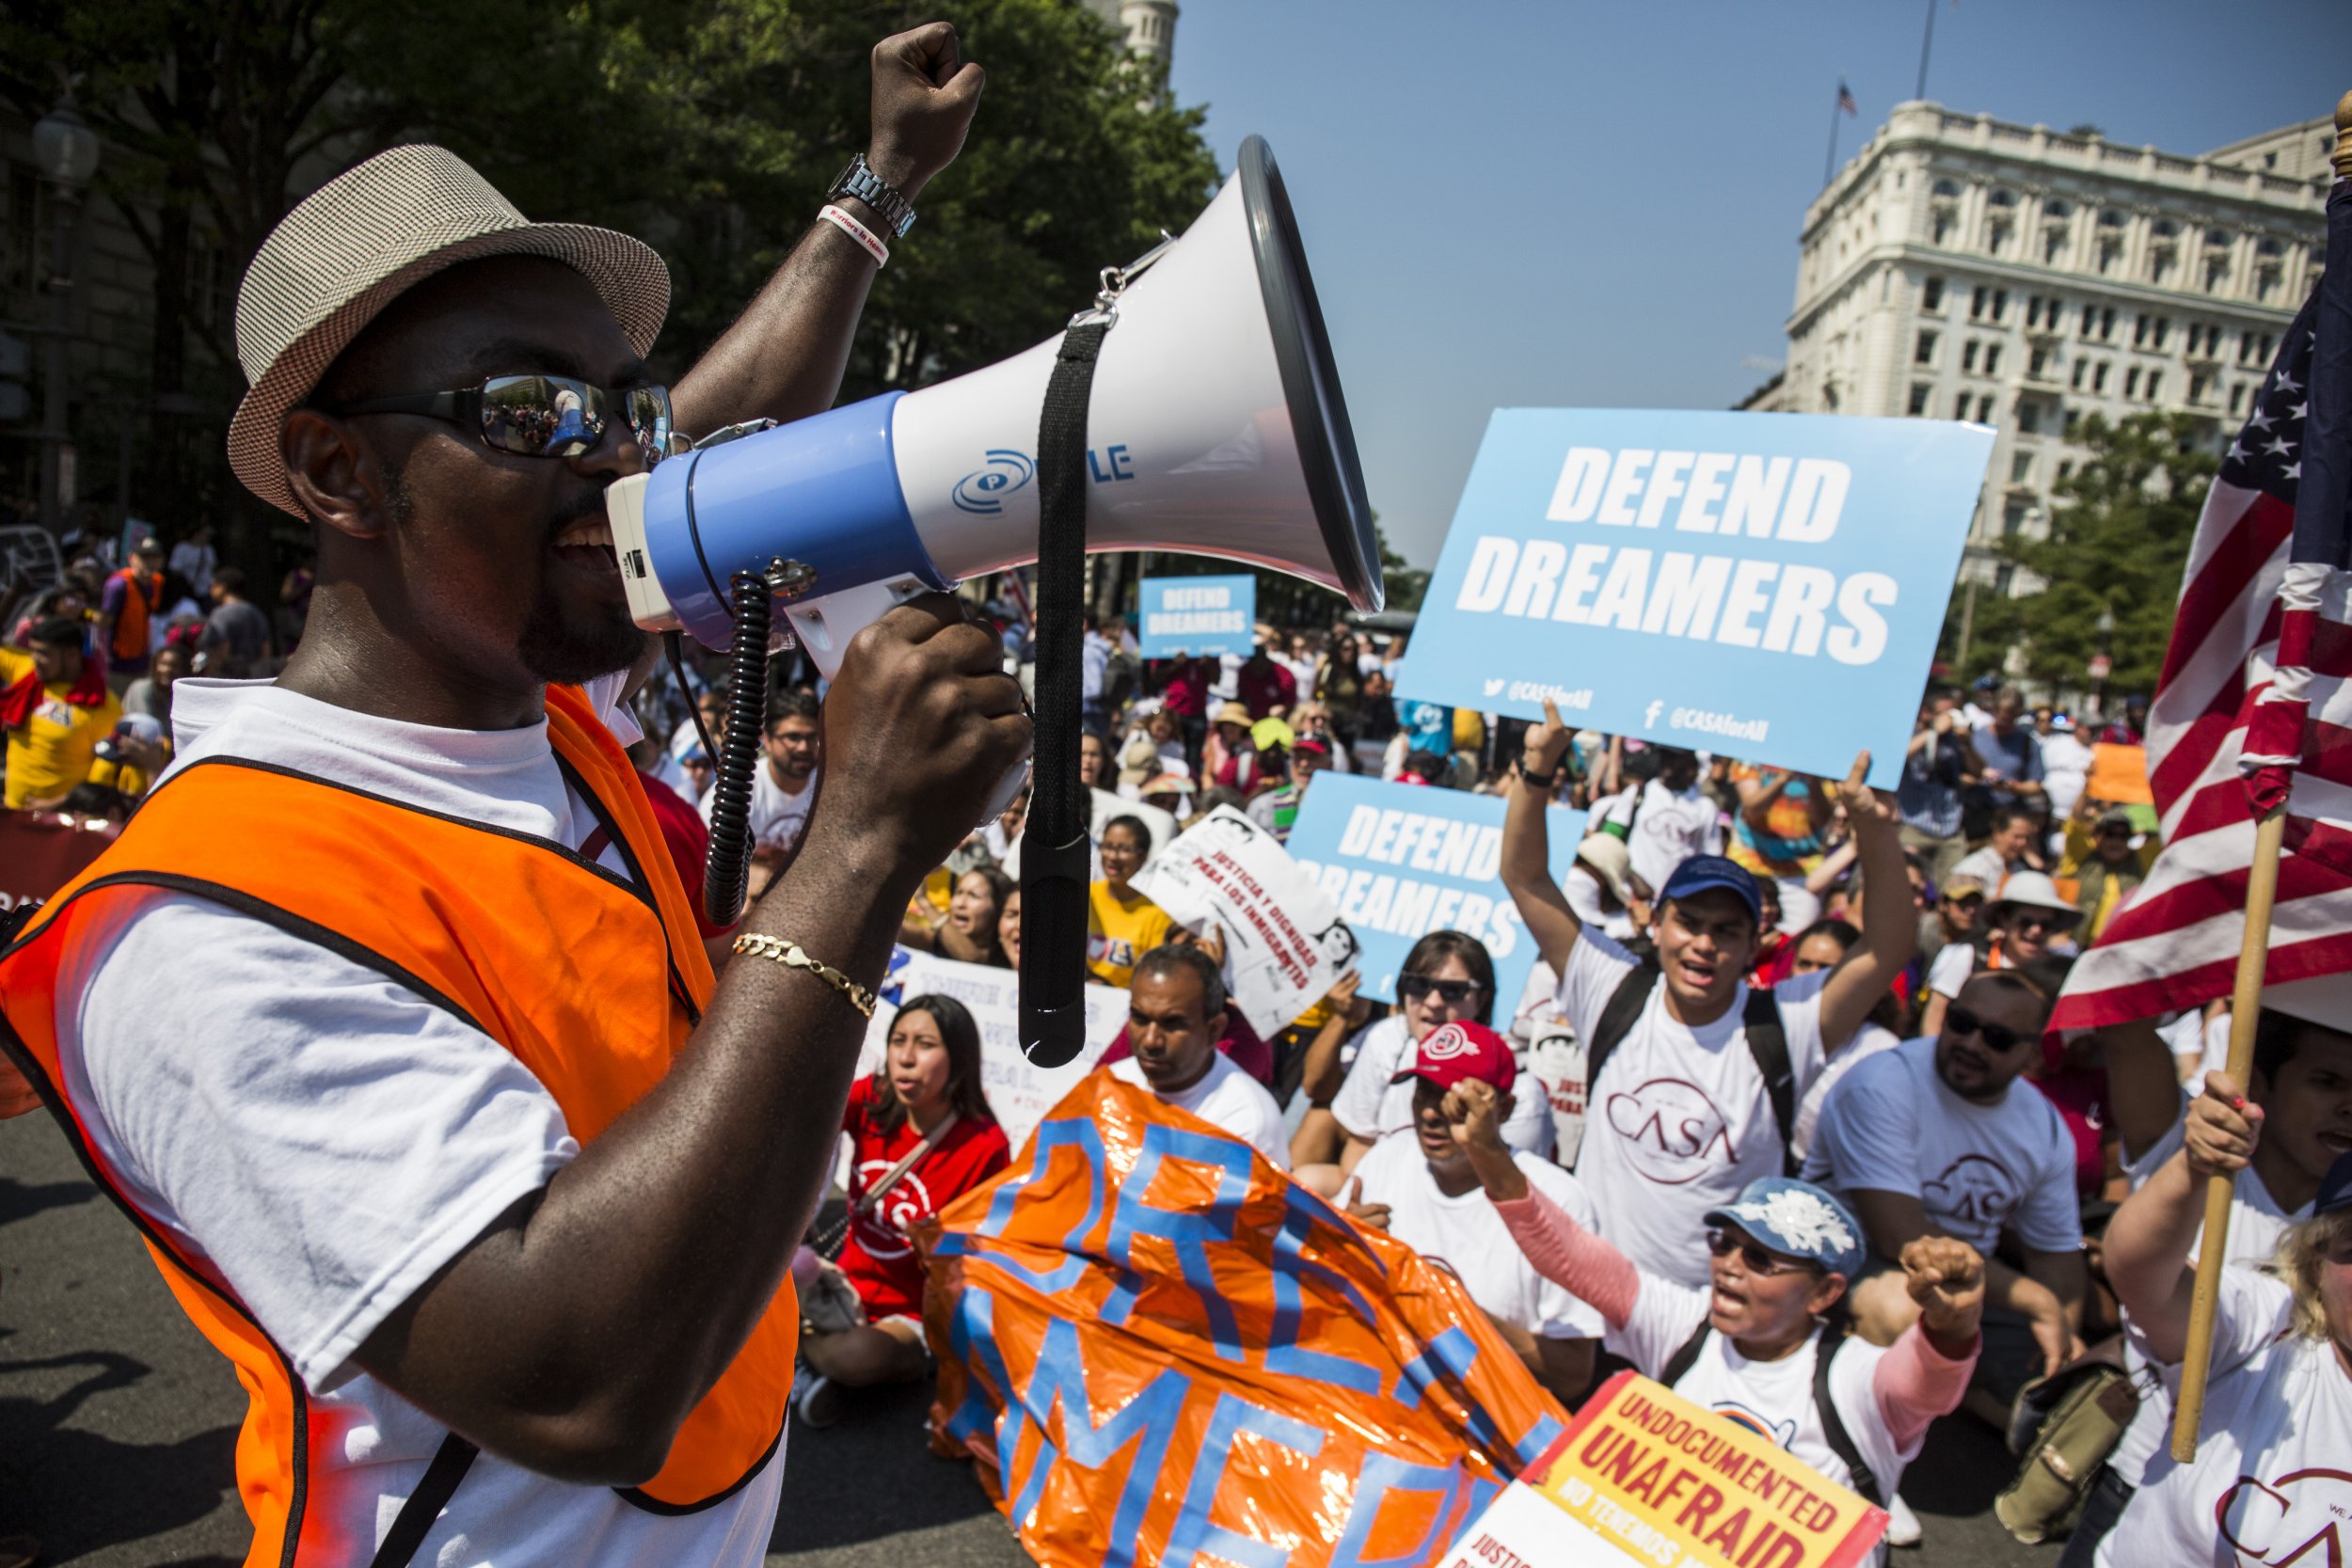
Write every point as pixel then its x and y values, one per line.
pixel 1452 992
pixel 540 416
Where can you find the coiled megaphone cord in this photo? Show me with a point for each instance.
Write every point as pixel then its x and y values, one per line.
pixel 727 870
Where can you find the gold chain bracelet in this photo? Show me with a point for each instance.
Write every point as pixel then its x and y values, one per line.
pixel 783 950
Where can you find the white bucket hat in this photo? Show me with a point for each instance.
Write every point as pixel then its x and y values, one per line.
pixel 2031 890
pixel 359 241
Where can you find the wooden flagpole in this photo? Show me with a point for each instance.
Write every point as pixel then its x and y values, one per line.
pixel 2262 890
pixel 2246 1000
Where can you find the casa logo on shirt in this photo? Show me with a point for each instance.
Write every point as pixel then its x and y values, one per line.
pixel 1976 1190
pixel 2303 1519
pixel 1671 1133
pixel 1778 1433
pixel 882 1230
pixel 1117 952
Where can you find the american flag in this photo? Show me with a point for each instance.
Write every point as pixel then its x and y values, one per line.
pixel 2254 706
pixel 1845 99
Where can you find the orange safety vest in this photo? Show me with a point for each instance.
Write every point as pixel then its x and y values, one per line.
pixel 139 601
pixel 592 981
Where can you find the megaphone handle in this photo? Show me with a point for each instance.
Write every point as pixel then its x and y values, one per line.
pixel 1054 882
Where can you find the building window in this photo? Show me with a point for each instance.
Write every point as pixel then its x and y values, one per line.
pixel 1991 358
pixel 2082 367
pixel 1968 358
pixel 2237 399
pixel 1996 238
pixel 1960 406
pixel 2155 385
pixel 2065 470
pixel 2108 251
pixel 1977 300
pixel 2160 264
pixel 2131 381
pixel 2107 325
pixel 1984 409
pixel 1940 229
pixel 1947 190
pixel 2099 376
pixel 1931 295
pixel 1918 398
pixel 2053 243
pixel 2020 467
pixel 2074 418
pixel 2029 416
pixel 2013 519
pixel 1923 352
pixel 2198 383
pixel 2038 364
pixel 2217 273
pixel 2265 283
pixel 2003 578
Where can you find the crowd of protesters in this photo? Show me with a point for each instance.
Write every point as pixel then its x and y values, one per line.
pixel 1775 1118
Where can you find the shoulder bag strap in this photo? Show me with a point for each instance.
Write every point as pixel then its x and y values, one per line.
pixel 1616 1021
pixel 1679 1363
pixel 1768 1043
pixel 1865 1484
pixel 451 1461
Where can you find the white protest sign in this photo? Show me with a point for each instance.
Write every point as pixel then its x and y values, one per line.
pixel 1018 1092
pixel 1285 944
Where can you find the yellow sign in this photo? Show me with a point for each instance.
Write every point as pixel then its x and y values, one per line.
pixel 1672 1485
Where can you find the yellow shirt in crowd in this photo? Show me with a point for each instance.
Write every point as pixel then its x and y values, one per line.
pixel 1121 928
pixel 55 748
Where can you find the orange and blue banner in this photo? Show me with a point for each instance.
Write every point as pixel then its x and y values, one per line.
pixel 1158 1350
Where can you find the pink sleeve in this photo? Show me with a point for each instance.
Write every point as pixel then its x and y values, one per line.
pixel 1915 1383
pixel 1572 1257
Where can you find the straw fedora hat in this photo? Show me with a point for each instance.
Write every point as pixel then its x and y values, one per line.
pixel 357 243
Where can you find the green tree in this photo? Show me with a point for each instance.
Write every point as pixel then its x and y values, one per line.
pixel 2118 542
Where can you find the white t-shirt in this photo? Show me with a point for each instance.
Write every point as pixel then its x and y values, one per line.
pixel 1894 1127
pixel 778 817
pixel 1466 1234
pixel 2065 769
pixel 1771 1397
pixel 1950 969
pixel 1371 1107
pixel 215 1125
pixel 1682 1122
pixel 1868 1041
pixel 1227 1097
pixel 2268 1485
pixel 2256 1224
pixel 1670 827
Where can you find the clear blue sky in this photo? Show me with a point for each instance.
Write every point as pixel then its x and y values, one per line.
pixel 1515 203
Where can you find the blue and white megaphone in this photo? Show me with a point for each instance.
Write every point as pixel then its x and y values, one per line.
pixel 1217 427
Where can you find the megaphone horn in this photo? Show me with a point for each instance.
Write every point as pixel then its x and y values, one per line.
pixel 1217 428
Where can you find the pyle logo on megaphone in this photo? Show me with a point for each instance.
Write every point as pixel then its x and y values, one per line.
pixel 1235 442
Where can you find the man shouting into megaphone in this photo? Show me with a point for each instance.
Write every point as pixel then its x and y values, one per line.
pixel 453 1147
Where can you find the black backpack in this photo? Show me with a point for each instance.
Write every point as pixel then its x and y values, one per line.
pixel 1768 1043
pixel 1863 1484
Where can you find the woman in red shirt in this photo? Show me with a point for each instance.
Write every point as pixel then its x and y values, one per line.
pixel 926 1095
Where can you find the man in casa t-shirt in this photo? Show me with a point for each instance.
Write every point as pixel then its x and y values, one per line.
pixel 1175 1015
pixel 1937 1136
pixel 1679 1119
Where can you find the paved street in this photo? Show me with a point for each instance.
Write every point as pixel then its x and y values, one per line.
pixel 117 1422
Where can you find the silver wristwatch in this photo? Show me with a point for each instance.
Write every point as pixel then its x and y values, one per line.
pixel 861 182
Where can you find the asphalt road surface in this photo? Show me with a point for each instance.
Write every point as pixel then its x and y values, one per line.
pixel 118 1423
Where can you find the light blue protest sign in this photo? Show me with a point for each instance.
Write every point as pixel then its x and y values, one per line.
pixel 1401 861
pixel 1187 617
pixel 1767 586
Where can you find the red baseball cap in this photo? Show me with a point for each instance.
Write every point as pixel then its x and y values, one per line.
pixel 1453 1051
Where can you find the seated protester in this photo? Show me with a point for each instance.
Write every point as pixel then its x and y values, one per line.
pixel 1665 819
pixel 1937 1138
pixel 1176 1012
pixel 2105 866
pixel 1448 977
pixel 1693 1074
pixel 967 929
pixel 1275 810
pixel 1238 1042
pixel 923 1119
pixel 2265 1486
pixel 2025 923
pixel 55 707
pixel 1121 924
pixel 2301 1084
pixel 784 786
pixel 2013 831
pixel 1958 905
pixel 1601 889
pixel 1772 946
pixel 1751 1342
pixel 1229 756
pixel 1419 1185
pixel 1823 946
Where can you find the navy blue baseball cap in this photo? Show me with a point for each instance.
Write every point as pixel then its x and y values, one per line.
pixel 1705 873
pixel 2335 1188
pixel 1798 1219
